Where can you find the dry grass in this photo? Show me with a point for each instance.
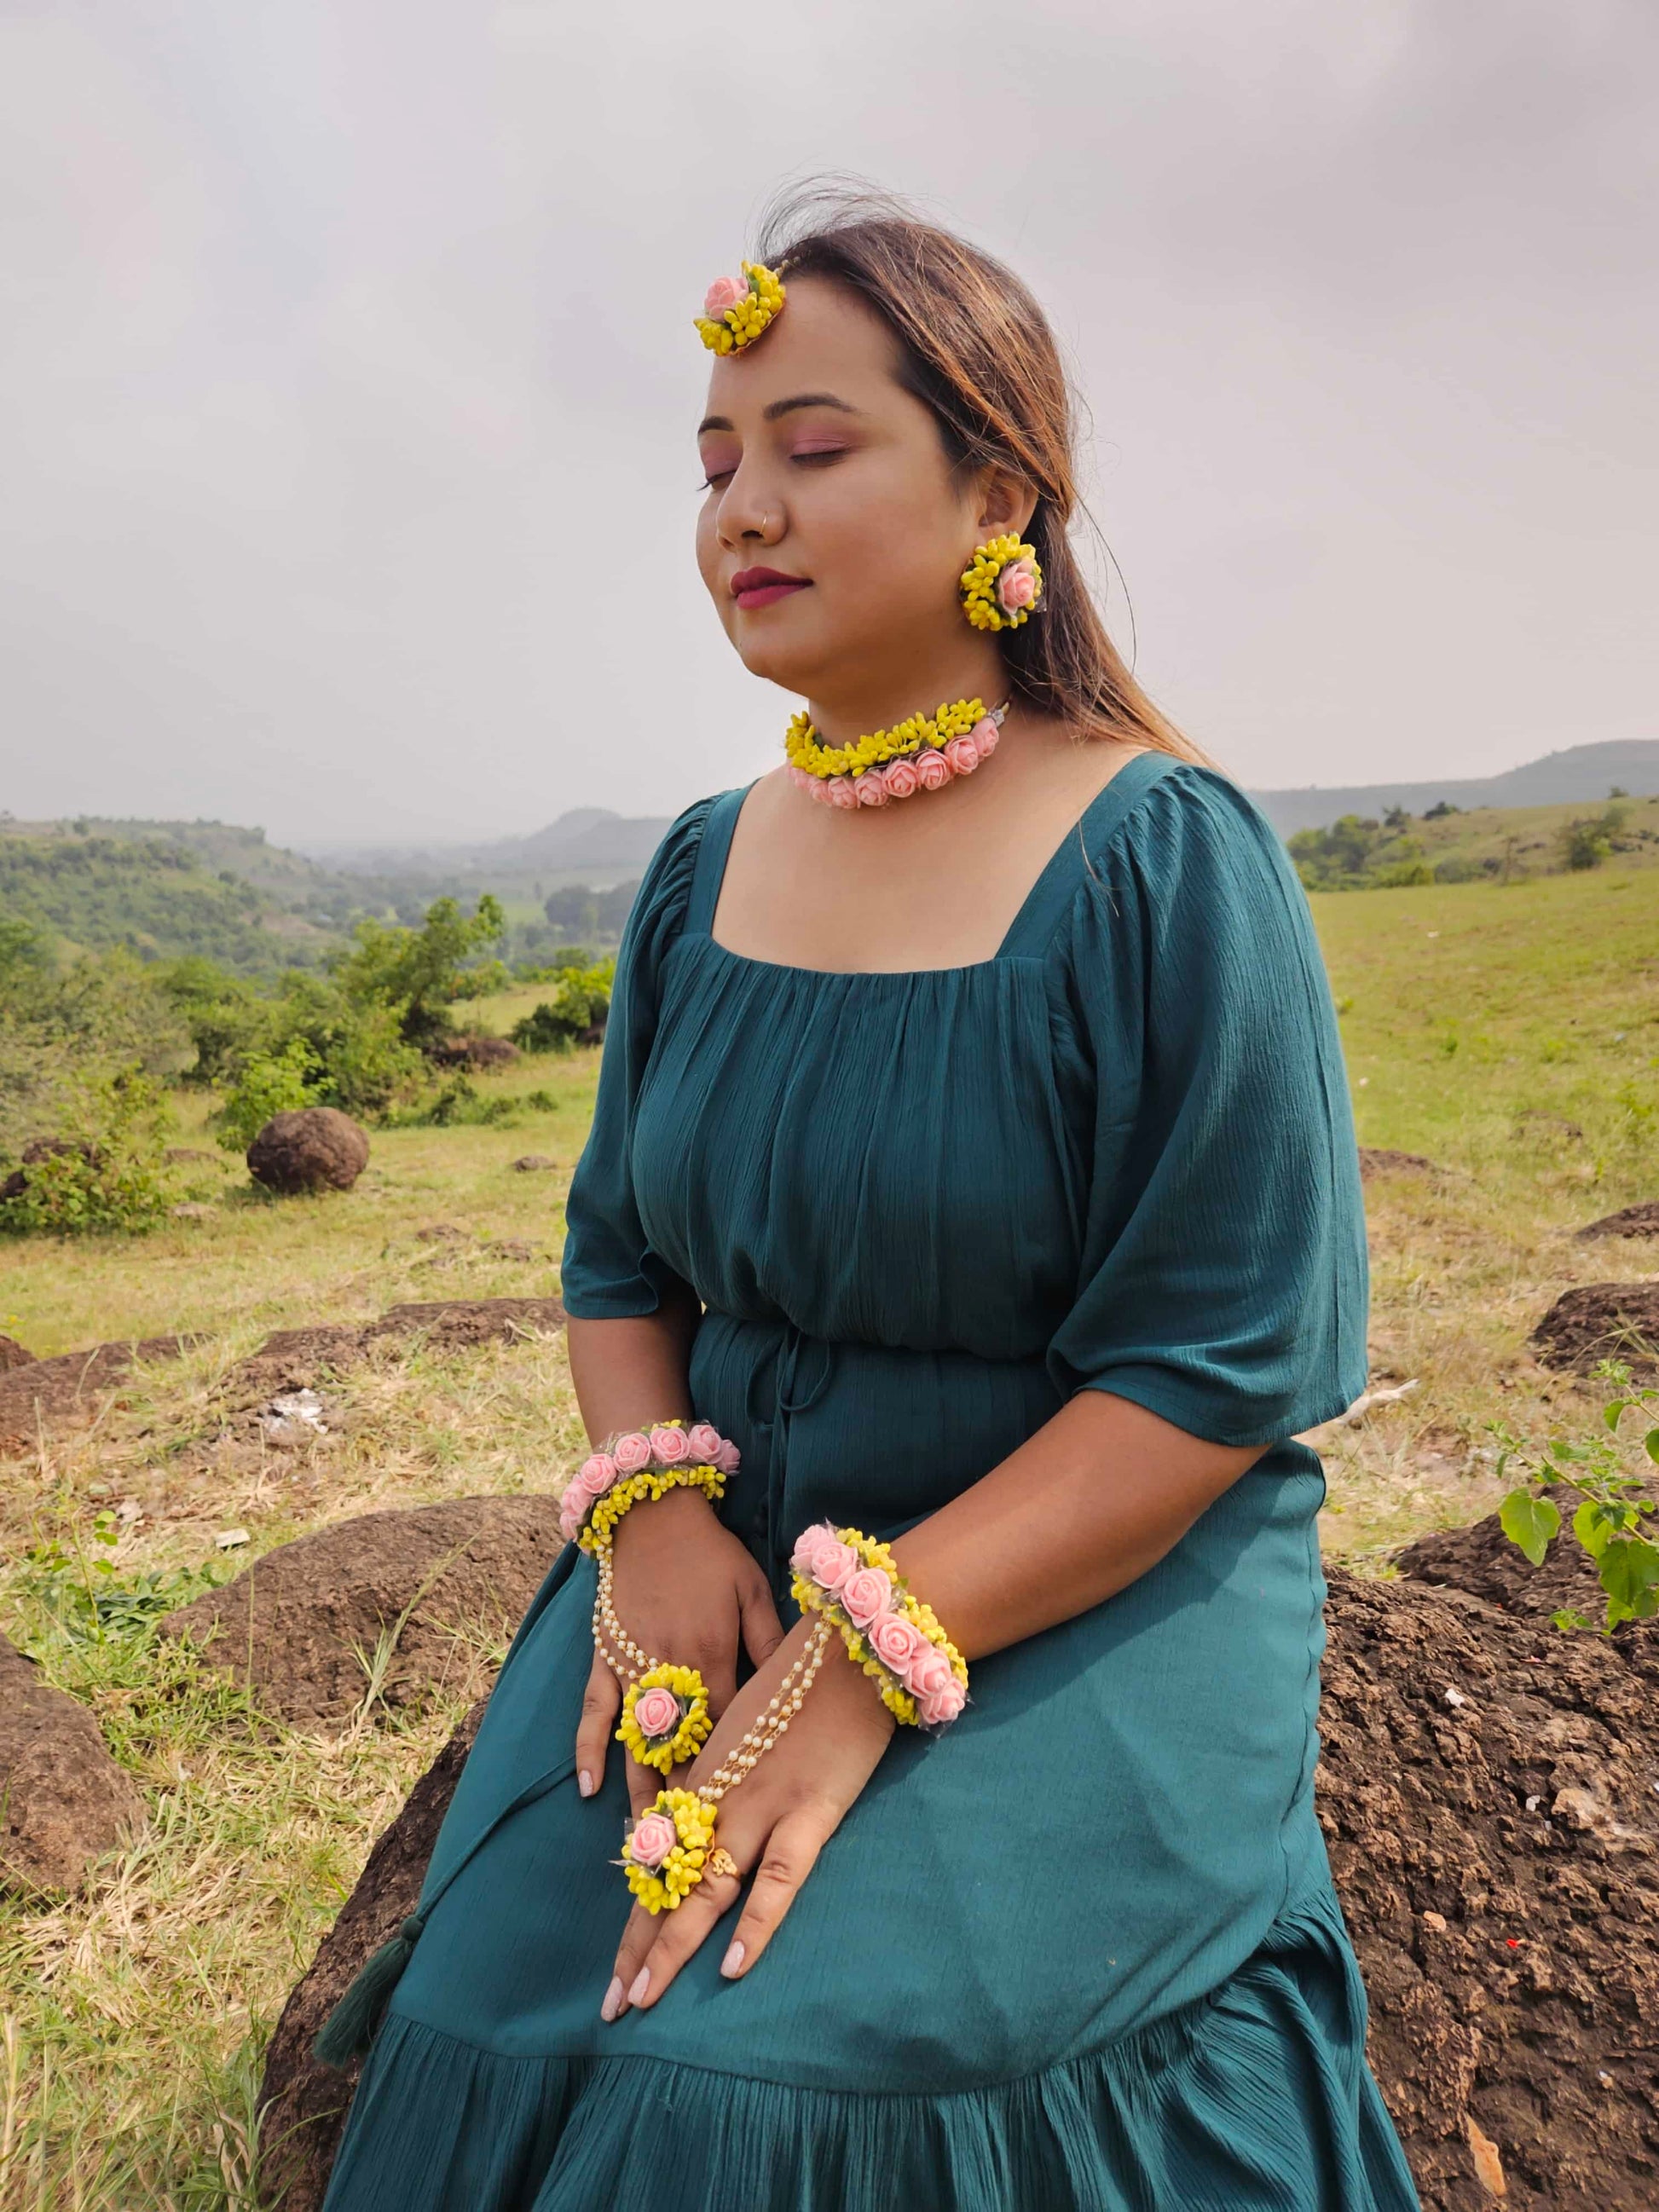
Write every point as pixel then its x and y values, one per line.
pixel 1483 1028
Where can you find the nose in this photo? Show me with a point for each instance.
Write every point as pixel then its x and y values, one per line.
pixel 747 516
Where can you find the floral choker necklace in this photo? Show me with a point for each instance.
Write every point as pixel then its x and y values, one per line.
pixel 922 754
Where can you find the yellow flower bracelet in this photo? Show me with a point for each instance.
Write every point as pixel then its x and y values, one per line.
pixel 854 1582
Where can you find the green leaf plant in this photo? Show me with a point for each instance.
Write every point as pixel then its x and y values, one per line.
pixel 1612 1515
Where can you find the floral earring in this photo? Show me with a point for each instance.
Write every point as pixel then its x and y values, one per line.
pixel 1004 585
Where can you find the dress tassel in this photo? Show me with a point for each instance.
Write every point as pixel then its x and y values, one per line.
pixel 350 2028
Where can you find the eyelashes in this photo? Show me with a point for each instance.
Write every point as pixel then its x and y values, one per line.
pixel 815 456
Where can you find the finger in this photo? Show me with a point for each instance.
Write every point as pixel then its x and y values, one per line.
pixel 652 1954
pixel 643 1783
pixel 791 1853
pixel 763 1631
pixel 601 1703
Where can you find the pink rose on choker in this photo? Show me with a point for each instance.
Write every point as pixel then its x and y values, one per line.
pixel 902 781
pixel 670 1445
pixel 984 734
pixel 930 1673
pixel 833 1564
pixel 657 1712
pixel 630 1453
pixel 725 292
pixel 869 789
pixel 945 1703
pixel 703 1440
pixel 933 771
pixel 1016 586
pixel 866 1596
pixel 728 1458
pixel 841 791
pixel 654 1836
pixel 897 1642
pixel 962 754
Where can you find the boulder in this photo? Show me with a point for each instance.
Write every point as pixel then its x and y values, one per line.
pixel 63 1800
pixel 314 1148
pixel 45 1148
pixel 1602 1321
pixel 13 1354
pixel 474 1051
pixel 294 1625
pixel 1641 1220
pixel 62 1392
pixel 1485 1798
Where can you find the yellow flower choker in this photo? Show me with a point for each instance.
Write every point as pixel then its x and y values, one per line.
pixel 922 754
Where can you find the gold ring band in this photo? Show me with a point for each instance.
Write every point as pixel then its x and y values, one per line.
pixel 721 1861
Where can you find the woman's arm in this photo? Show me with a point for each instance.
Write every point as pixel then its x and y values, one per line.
pixel 1097 1496
pixel 629 1374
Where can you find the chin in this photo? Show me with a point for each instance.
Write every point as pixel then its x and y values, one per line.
pixel 792 663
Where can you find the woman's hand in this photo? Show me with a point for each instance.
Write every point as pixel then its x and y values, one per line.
pixel 775 1822
pixel 687 1590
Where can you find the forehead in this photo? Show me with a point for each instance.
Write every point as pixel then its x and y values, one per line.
pixel 826 339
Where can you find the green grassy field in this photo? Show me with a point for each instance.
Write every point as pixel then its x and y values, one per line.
pixel 1511 1035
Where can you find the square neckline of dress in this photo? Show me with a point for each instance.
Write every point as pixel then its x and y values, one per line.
pixel 1034 917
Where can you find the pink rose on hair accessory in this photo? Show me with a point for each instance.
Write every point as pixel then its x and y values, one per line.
pixel 896 1642
pixel 725 292
pixel 870 789
pixel 657 1711
pixel 728 1458
pixel 839 791
pixel 933 771
pixel 654 1836
pixel 902 781
pixel 670 1445
pixel 945 1703
pixel 962 754
pixel 703 1440
pixel 984 734
pixel 930 1673
pixel 1016 586
pixel 631 1453
pixel 866 1596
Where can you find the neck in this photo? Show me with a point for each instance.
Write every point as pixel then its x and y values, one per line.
pixel 853 702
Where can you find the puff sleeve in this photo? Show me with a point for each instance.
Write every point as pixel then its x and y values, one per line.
pixel 609 1272
pixel 1224 1283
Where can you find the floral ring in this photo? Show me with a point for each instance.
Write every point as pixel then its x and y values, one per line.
pixel 721 1861
pixel 665 1718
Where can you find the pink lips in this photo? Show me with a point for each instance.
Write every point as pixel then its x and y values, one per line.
pixel 764 587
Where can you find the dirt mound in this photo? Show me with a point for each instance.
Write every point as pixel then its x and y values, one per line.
pixel 302 2105
pixel 316 1148
pixel 1495 1850
pixel 63 1800
pixel 1377 1160
pixel 1602 1321
pixel 1482 1562
pixel 1641 1220
pixel 55 1394
pixel 297 1358
pixel 302 1625
pixel 13 1354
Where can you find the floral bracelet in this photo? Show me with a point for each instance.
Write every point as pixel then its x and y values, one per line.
pixel 854 1582
pixel 643 1463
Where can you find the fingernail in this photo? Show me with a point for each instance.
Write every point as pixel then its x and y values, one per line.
pixel 613 1997
pixel 732 1962
pixel 585 1783
pixel 642 1984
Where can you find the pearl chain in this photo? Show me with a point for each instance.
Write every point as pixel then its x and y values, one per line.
pixel 774 1723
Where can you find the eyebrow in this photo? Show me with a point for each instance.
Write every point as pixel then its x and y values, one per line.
pixel 781 407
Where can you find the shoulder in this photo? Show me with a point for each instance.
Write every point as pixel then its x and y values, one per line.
pixel 1182 834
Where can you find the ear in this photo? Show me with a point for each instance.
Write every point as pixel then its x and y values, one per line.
pixel 1004 502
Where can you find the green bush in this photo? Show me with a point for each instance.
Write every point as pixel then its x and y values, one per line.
pixel 418 974
pixel 269 1083
pixel 457 1104
pixel 580 1001
pixel 102 1167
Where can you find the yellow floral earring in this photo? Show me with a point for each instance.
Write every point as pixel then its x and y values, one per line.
pixel 1004 585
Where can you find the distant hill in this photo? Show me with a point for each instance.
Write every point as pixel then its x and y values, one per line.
pixel 1579 776
pixel 586 842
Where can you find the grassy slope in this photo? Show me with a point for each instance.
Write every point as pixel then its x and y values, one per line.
pixel 1512 1035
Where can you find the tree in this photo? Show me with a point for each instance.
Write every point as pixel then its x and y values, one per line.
pixel 419 973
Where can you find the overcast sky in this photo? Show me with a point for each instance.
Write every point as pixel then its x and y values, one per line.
pixel 347 382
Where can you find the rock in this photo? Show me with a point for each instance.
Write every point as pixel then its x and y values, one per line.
pixel 189 1211
pixel 57 1394
pixel 13 1354
pixel 45 1148
pixel 440 1232
pixel 316 1148
pixel 474 1051
pixel 533 1163
pixel 1375 1160
pixel 302 2103
pixel 292 1626
pixel 1602 1321
pixel 511 1248
pixel 63 1800
pixel 294 1416
pixel 1510 1957
pixel 1641 1220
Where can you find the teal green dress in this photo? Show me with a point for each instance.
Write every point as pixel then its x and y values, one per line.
pixel 1082 1949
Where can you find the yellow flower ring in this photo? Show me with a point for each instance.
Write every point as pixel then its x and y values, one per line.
pixel 738 311
pixel 667 1848
pixel 679 1713
pixel 1004 587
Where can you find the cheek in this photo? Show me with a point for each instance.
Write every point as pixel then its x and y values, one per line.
pixel 709 562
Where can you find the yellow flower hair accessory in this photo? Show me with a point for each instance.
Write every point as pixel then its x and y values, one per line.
pixel 738 309
pixel 1004 585
pixel 665 1718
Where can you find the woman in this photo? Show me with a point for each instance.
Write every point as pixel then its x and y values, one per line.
pixel 973 1154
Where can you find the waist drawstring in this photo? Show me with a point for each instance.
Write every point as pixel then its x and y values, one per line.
pixel 794 1391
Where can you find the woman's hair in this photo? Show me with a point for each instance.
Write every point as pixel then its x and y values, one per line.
pixel 977 349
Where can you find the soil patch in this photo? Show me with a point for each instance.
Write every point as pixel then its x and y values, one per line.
pixel 13 1354
pixel 1483 1562
pixel 1378 1160
pixel 1641 1220
pixel 304 1625
pixel 63 1800
pixel 57 1394
pixel 1602 1321
pixel 1496 1859
pixel 295 1359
